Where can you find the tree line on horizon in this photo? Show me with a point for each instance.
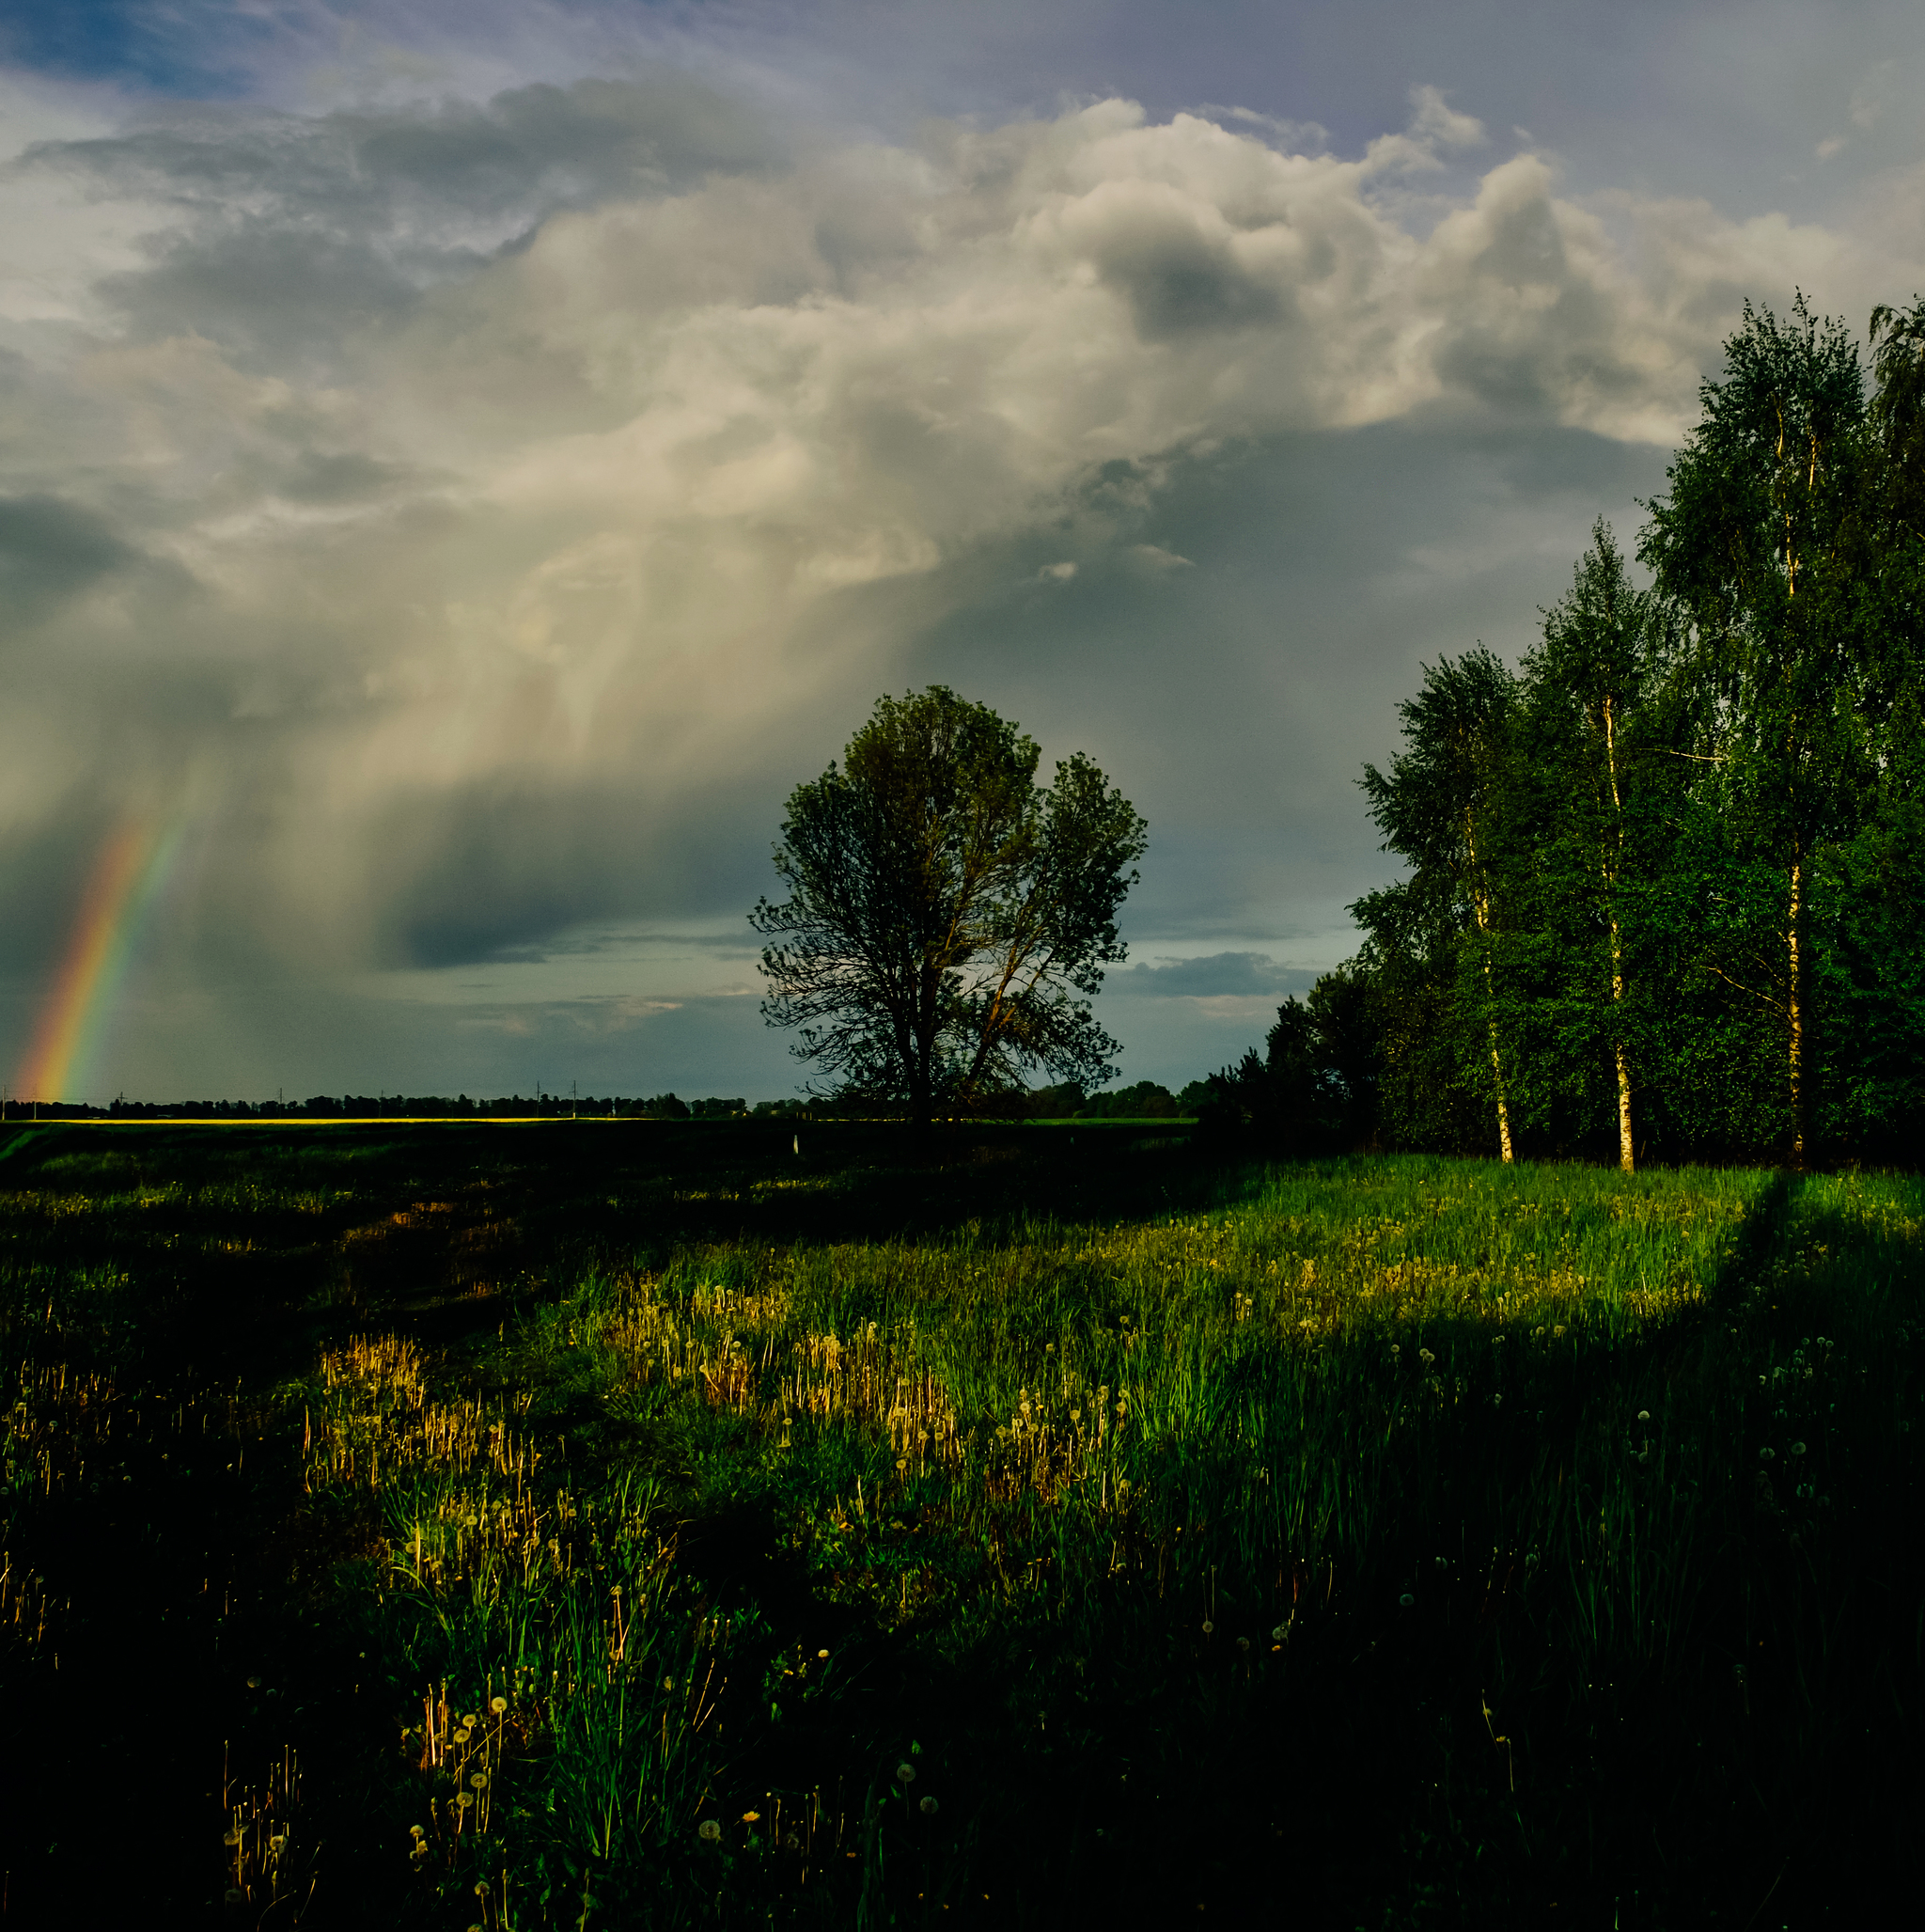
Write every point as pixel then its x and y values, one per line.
pixel 1665 892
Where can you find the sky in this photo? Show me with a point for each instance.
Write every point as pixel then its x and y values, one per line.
pixel 463 466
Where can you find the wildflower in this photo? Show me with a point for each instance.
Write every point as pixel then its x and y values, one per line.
pixel 708 1830
pixel 751 1817
pixel 905 1773
pixel 928 1807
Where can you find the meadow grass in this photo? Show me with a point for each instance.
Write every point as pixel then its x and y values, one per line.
pixel 584 1524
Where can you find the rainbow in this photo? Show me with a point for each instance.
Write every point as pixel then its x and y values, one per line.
pixel 127 875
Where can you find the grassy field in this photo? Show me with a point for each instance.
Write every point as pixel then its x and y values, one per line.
pixel 598 1524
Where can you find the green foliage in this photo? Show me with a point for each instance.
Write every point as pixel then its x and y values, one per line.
pixel 948 918
pixel 1663 895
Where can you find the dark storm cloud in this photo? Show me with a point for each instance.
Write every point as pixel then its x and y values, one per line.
pixel 50 550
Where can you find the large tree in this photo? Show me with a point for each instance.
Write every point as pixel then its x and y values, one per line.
pixel 1594 773
pixel 947 918
pixel 1441 808
pixel 1759 545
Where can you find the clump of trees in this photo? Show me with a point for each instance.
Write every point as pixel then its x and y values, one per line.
pixel 1666 878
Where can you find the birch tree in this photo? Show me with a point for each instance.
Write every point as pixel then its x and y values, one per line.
pixel 1754 543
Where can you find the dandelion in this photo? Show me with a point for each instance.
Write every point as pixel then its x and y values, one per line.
pixel 1798 1449
pixel 1644 1415
pixel 1243 1643
pixel 462 1736
pixel 254 1683
pixel 1496 1337
pixel 1406 1599
pixel 669 1683
pixel 463 1800
pixel 235 1898
pixel 479 1781
pixel 1207 1627
pixel 233 1837
pixel 1766 1454
pixel 415 1832
pixel 1278 1634
pixel 751 1817
pixel 821 1653
pixel 1557 1330
pixel 1425 1356
pixel 928 1807
pixel 708 1830
pixel 498 1705
pixel 905 1773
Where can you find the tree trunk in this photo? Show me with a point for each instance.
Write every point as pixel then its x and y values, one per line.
pixel 1625 1159
pixel 1483 907
pixel 1795 1013
pixel 1496 1060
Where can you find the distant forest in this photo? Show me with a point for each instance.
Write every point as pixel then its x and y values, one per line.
pixel 1666 879
pixel 1146 1100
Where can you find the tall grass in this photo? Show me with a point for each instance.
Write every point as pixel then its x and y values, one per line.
pixel 1032 1536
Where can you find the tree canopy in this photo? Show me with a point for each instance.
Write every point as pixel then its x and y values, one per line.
pixel 948 918
pixel 1666 885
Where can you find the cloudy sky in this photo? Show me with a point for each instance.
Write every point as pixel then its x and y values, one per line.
pixel 463 465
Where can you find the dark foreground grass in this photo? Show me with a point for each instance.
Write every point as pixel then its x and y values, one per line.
pixel 614 1524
